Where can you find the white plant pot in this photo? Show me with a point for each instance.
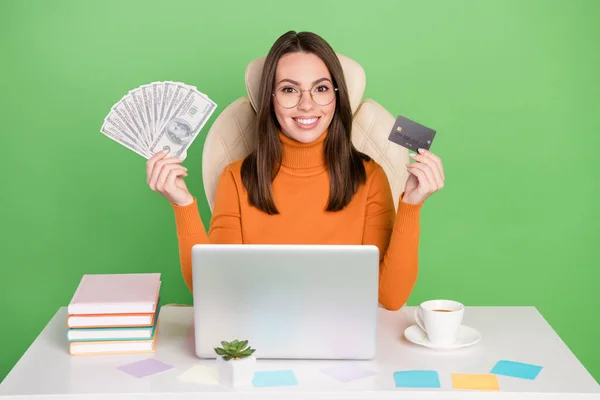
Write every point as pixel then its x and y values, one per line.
pixel 236 373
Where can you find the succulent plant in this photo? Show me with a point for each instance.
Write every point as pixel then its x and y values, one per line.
pixel 234 350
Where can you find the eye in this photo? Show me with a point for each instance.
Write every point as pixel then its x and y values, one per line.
pixel 288 89
pixel 322 88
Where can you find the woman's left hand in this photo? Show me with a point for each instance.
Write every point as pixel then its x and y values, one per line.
pixel 426 176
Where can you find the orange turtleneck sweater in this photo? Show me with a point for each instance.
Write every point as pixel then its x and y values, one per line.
pixel 300 191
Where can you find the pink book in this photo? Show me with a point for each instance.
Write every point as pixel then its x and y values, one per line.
pixel 116 294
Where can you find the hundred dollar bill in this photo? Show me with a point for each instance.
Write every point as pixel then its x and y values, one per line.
pixel 179 92
pixel 157 99
pixel 164 116
pixel 148 106
pixel 127 108
pixel 114 119
pixel 111 130
pixel 119 111
pixel 168 92
pixel 137 97
pixel 182 126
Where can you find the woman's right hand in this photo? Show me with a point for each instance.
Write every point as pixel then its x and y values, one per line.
pixel 165 176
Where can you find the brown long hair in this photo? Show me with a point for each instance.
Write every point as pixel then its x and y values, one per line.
pixel 344 161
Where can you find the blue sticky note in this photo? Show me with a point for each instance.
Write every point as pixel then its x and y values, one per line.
pixel 516 369
pixel 274 378
pixel 417 379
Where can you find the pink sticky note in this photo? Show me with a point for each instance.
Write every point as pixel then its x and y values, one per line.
pixel 346 372
pixel 146 367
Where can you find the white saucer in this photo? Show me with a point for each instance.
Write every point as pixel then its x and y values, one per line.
pixel 466 336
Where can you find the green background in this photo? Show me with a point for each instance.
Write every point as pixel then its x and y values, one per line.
pixel 511 87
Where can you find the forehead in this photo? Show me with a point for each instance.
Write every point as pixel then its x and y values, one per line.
pixel 301 67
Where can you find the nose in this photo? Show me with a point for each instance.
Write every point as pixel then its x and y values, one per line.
pixel 306 102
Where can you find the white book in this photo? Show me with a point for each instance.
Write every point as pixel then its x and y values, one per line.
pixel 116 294
pixel 109 320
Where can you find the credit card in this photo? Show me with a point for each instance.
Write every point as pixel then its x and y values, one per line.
pixel 410 134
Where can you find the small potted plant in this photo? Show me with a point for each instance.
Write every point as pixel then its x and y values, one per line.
pixel 235 363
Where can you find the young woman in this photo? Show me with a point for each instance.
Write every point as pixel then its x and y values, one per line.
pixel 306 183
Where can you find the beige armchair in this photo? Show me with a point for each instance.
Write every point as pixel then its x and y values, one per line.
pixel 232 135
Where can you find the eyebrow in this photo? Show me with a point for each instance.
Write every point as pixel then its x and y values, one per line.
pixel 293 82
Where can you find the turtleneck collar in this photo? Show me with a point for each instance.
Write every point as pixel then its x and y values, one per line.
pixel 302 156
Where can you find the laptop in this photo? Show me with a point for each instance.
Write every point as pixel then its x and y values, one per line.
pixel 288 301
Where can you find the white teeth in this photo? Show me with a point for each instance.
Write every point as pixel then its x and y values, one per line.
pixel 307 121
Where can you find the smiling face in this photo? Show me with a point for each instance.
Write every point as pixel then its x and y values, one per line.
pixel 303 73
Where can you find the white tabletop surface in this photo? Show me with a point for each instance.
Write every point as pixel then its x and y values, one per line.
pixel 46 370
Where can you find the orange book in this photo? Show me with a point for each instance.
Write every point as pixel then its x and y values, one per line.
pixel 113 320
pixel 110 320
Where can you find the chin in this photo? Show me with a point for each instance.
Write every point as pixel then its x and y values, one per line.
pixel 304 137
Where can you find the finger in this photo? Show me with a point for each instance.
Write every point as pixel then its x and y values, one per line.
pixel 435 158
pixel 433 169
pixel 436 173
pixel 170 184
pixel 150 164
pixel 165 171
pixel 156 171
pixel 431 159
pixel 156 164
pixel 431 184
pixel 420 174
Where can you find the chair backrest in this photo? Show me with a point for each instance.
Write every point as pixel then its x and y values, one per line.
pixel 232 136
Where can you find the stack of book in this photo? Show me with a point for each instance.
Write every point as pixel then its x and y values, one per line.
pixel 114 314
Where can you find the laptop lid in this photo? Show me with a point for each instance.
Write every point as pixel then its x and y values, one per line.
pixel 289 301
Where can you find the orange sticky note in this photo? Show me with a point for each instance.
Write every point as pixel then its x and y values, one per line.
pixel 475 381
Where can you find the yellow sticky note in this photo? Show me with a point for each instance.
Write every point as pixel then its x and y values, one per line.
pixel 475 381
pixel 200 374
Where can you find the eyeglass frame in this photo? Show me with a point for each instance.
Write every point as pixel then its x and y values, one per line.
pixel 311 97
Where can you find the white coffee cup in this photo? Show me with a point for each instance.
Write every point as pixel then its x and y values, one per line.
pixel 440 319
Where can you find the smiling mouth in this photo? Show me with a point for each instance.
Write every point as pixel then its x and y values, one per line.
pixel 306 121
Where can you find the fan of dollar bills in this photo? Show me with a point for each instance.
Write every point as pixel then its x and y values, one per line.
pixel 160 116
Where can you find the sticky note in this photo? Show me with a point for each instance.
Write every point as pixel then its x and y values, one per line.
pixel 346 372
pixel 475 381
pixel 516 369
pixel 149 366
pixel 200 374
pixel 274 378
pixel 417 379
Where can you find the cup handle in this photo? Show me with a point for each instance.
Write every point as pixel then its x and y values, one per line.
pixel 419 320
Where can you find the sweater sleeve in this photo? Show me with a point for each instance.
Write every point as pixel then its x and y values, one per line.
pixel 396 236
pixel 225 225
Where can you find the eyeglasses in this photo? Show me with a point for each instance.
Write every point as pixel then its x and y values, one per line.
pixel 289 96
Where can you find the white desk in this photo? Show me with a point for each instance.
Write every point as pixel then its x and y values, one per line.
pixel 46 370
